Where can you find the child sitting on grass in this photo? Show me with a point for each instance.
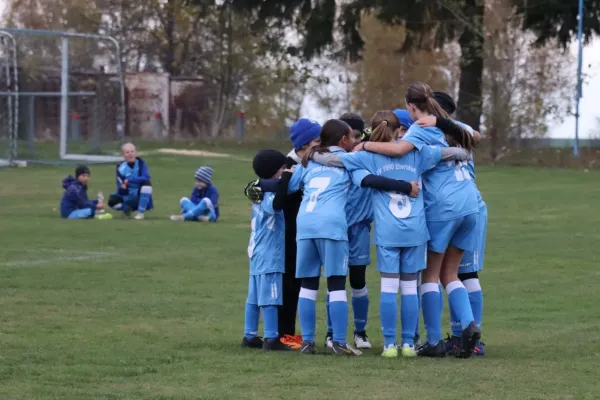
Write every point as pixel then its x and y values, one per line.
pixel 75 203
pixel 203 203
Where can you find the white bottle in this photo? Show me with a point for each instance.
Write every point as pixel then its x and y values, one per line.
pixel 100 197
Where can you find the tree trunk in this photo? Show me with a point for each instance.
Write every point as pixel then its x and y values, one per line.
pixel 471 65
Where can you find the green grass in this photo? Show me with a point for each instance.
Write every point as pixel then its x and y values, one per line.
pixel 153 309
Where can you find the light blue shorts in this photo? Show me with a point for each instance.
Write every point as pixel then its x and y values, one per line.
pixel 313 253
pixel 265 289
pixel 472 261
pixel 82 213
pixel 396 260
pixel 459 233
pixel 359 239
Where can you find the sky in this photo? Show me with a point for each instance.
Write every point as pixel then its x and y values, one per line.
pixel 589 108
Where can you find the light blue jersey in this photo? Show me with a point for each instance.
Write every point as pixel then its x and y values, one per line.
pixel 358 207
pixel 322 212
pixel 128 172
pixel 399 219
pixel 267 239
pixel 448 189
pixel 471 165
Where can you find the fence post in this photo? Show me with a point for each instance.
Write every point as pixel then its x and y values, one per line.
pixel 31 127
pixel 75 126
pixel 240 125
pixel 95 133
pixel 157 125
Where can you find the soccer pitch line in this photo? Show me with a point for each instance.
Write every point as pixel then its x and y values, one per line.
pixel 87 256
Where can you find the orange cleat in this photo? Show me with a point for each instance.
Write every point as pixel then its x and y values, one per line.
pixel 291 341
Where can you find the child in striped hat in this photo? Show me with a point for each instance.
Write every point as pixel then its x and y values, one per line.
pixel 203 204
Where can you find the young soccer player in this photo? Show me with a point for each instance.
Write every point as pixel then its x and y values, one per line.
pixel 75 203
pixel 134 189
pixel 359 212
pixel 451 211
pixel 203 204
pixel 400 227
pixel 472 261
pixel 304 135
pixel 266 253
pixel 322 233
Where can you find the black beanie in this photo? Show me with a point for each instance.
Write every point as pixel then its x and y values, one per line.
pixel 80 170
pixel 266 163
pixel 446 101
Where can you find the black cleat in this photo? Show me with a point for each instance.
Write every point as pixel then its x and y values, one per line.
pixel 437 350
pixel 452 343
pixel 254 343
pixel 468 338
pixel 308 348
pixel 339 349
pixel 275 345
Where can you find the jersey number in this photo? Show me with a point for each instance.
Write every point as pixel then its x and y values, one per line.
pixel 316 183
pixel 460 171
pixel 400 205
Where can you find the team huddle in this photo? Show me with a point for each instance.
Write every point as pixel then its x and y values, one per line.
pixel 314 209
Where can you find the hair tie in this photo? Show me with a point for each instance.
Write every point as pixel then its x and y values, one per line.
pixel 385 121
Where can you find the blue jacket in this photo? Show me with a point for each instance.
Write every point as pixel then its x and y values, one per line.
pixel 211 192
pixel 75 197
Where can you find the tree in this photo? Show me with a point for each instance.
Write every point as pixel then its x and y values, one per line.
pixel 526 87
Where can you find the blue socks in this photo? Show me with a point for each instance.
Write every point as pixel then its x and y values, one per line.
pixel 251 320
pixel 458 300
pixel 145 193
pixel 388 309
pixel 307 305
pixel 360 308
pixel 338 307
pixel 409 312
pixel 432 316
pixel 204 207
pixel 475 298
pixel 270 322
pixel 328 315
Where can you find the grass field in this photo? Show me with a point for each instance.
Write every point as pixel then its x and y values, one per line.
pixel 153 309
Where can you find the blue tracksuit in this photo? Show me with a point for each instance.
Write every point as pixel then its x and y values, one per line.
pixel 137 176
pixel 75 198
pixel 194 207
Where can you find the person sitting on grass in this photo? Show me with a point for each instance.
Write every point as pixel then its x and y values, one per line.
pixel 134 190
pixel 203 204
pixel 75 203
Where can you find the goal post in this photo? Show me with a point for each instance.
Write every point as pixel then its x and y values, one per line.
pixel 72 97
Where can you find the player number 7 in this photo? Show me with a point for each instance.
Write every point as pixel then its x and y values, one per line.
pixel 316 183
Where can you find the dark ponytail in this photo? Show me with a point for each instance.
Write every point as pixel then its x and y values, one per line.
pixel 331 133
pixel 421 96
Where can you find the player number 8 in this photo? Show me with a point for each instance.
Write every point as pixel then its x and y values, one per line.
pixel 400 205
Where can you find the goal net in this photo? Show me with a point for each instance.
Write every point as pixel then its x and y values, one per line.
pixel 64 93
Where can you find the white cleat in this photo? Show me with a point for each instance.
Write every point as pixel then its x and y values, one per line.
pixel 329 341
pixel 361 340
pixel 177 217
pixel 139 216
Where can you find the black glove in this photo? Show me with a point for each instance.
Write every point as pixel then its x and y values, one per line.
pixel 366 135
pixel 253 192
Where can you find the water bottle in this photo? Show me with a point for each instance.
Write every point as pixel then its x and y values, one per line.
pixel 100 197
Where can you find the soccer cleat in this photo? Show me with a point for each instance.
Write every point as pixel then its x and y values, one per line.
pixel 329 340
pixel 469 336
pixel 339 349
pixel 253 343
pixel 390 351
pixel 361 340
pixel 432 350
pixel 479 348
pixel 408 350
pixel 139 216
pixel 451 343
pixel 179 217
pixel 308 348
pixel 291 341
pixel 275 345
pixel 104 216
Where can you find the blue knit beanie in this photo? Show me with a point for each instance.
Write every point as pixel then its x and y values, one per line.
pixel 304 131
pixel 404 117
pixel 204 174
